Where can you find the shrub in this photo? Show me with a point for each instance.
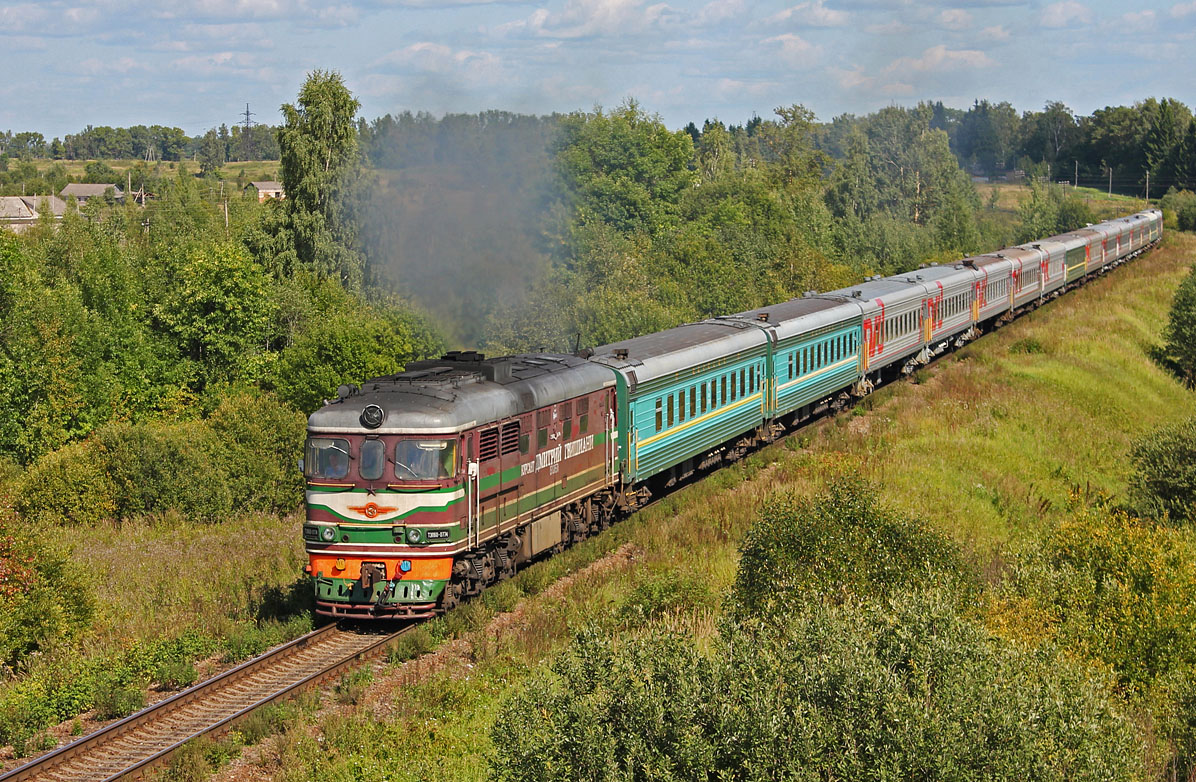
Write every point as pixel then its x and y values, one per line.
pixel 1114 589
pixel 842 539
pixel 45 599
pixel 115 699
pixel 1163 481
pixel 156 467
pixel 667 593
pixel 907 689
pixel 176 674
pixel 70 485
pixel 260 441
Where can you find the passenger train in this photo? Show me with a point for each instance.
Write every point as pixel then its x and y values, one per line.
pixel 425 486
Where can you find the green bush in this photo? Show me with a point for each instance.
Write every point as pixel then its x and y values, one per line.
pixel 1114 589
pixel 842 539
pixel 176 674
pixel 903 689
pixel 259 442
pixel 69 486
pixel 1163 481
pixel 667 593
pixel 157 467
pixel 115 699
pixel 46 601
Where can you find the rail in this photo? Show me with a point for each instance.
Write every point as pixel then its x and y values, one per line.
pixel 132 746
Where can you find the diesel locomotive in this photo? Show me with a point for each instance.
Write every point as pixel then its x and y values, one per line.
pixel 425 486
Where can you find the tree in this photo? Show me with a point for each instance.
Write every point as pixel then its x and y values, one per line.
pixel 321 166
pixel 1163 483
pixel 1179 338
pixel 211 153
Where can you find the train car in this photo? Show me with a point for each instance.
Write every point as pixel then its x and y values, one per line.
pixel 424 486
pixel 685 393
pixel 1053 264
pixel 891 315
pixel 994 285
pixel 948 310
pixel 815 352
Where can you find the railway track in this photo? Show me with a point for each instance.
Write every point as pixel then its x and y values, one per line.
pixel 128 748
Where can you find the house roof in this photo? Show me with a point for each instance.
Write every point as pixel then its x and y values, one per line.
pixel 267 185
pixel 83 190
pixel 14 208
pixel 37 203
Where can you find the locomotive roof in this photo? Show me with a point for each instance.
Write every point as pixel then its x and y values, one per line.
pixel 654 355
pixel 460 391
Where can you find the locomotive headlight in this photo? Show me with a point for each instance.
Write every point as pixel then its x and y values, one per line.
pixel 413 535
pixel 328 533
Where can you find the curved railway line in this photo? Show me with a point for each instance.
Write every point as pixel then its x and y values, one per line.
pixel 132 746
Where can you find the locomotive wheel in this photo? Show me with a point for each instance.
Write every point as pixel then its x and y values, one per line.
pixel 453 592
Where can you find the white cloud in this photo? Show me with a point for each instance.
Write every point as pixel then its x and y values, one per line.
pixel 94 66
pixel 592 18
pixel 852 79
pixel 1136 21
pixel 436 58
pixel 811 14
pixel 1180 10
pixel 795 50
pixel 940 59
pixel 1066 14
pixel 736 88
pixel 995 33
pixel 719 11
pixel 893 27
pixel 955 19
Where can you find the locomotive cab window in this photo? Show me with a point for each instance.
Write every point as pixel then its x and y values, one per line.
pixel 373 460
pixel 327 458
pixel 427 459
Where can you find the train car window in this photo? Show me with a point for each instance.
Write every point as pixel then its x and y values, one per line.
pixel 510 437
pixel 742 383
pixel 659 415
pixel 542 437
pixel 681 406
pixel 431 459
pixel 488 445
pixel 327 457
pixel 672 410
pixel 703 397
pixel 713 393
pixel 734 388
pixel 543 417
pixel 693 399
pixel 790 377
pixel 373 460
pixel 723 395
pixel 567 410
pixel 525 444
pixel 568 428
pixel 583 423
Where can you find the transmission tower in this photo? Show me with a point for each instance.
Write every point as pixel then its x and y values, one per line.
pixel 248 118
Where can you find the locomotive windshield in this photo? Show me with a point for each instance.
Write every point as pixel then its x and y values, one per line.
pixel 327 457
pixel 425 459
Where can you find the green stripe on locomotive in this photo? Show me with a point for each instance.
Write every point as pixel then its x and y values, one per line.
pixel 651 449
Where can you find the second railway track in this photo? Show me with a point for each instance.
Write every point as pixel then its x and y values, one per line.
pixel 128 748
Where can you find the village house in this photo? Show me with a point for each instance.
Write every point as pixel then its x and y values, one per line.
pixel 17 213
pixel 82 192
pixel 267 190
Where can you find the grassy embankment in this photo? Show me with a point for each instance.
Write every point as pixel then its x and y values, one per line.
pixel 986 445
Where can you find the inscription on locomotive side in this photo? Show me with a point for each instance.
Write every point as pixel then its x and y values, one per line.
pixel 552 457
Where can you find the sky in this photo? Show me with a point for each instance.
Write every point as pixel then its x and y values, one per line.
pixel 196 63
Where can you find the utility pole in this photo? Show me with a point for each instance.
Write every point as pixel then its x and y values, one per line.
pixel 1148 185
pixel 1110 181
pixel 1075 185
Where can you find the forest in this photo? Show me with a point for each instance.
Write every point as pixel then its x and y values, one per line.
pixel 157 363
